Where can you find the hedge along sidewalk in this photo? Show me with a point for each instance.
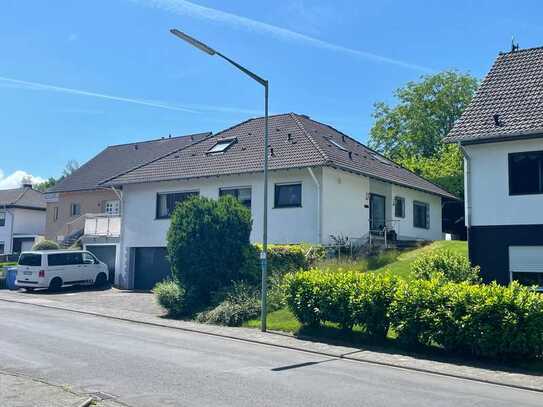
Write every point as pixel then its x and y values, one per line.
pixel 486 375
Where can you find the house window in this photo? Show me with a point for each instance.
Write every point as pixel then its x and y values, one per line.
pixel 165 203
pixel 399 207
pixel 75 209
pixel 111 207
pixel 221 146
pixel 526 173
pixel 2 219
pixel 288 196
pixel 243 194
pixel 526 265
pixel 2 247
pixel 55 213
pixel 421 215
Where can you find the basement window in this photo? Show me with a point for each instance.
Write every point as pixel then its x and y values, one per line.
pixel 221 146
pixel 526 173
pixel 526 265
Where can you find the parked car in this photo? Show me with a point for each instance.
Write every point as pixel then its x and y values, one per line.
pixel 56 268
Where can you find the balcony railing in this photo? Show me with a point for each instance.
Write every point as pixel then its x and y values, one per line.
pixel 102 224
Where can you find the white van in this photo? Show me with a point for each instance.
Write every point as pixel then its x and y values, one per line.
pixel 56 268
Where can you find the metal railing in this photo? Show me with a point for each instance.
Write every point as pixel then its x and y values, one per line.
pixel 102 224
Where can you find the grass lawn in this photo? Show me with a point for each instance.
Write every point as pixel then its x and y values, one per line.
pixel 283 320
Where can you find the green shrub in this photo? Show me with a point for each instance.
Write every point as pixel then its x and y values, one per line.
pixel 46 245
pixel 208 242
pixel 493 321
pixel 416 311
pixel 344 298
pixel 283 259
pixel 372 302
pixel 170 296
pixel 382 259
pixel 240 304
pixel 451 266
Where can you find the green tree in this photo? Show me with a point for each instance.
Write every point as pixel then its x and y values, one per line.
pixel 411 132
pixel 45 185
pixel 207 243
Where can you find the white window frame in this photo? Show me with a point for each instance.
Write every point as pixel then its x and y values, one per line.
pixel 116 203
pixel 511 271
pixel 74 205
pixel 249 187
pixel 2 219
pixel 195 191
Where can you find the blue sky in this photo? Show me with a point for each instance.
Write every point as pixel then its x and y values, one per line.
pixel 77 76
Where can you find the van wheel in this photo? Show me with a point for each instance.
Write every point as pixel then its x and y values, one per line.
pixel 101 280
pixel 55 284
pixel 29 289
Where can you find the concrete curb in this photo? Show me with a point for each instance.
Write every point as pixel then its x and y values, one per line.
pixel 283 346
pixel 86 403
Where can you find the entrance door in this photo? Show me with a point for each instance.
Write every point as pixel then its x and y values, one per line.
pixel 377 212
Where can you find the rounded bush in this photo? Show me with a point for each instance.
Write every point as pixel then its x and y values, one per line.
pixel 170 296
pixel 46 245
pixel 445 264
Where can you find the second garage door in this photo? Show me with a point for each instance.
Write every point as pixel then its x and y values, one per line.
pixel 150 266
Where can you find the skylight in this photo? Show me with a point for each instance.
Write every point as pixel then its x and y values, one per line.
pixel 337 144
pixel 221 146
pixel 382 159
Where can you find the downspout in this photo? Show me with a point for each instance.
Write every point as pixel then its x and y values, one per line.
pixel 467 182
pixel 319 241
pixel 119 252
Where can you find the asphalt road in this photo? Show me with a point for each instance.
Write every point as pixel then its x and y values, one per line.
pixel 154 366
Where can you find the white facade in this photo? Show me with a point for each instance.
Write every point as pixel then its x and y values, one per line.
pixel 20 223
pixel 487 186
pixel 334 202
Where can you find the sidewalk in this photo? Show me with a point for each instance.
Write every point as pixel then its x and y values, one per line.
pixel 146 312
pixel 22 391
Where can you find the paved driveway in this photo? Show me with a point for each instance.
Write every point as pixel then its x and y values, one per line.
pixel 111 298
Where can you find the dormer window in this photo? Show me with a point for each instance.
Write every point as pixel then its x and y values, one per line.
pixel 221 146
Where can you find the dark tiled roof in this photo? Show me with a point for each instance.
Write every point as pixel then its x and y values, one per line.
pixel 22 197
pixel 118 159
pixel 295 142
pixel 513 89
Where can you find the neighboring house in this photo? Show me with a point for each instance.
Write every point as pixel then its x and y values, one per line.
pixel 79 208
pixel 501 133
pixel 22 219
pixel 322 183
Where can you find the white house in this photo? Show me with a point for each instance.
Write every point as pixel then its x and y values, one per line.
pixel 501 133
pixel 322 183
pixel 22 219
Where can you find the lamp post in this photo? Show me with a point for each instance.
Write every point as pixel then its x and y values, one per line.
pixel 264 254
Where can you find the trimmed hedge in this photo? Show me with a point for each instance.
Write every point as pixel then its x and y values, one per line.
pixel 445 264
pixel 170 296
pixel 345 298
pixel 483 320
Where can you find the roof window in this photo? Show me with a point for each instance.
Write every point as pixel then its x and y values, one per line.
pixel 221 145
pixel 337 144
pixel 381 159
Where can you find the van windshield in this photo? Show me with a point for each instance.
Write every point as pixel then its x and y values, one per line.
pixel 30 259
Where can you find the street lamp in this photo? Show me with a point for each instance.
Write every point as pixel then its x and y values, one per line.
pixel 264 254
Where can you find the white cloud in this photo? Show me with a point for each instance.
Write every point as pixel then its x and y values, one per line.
pixel 186 8
pixel 14 180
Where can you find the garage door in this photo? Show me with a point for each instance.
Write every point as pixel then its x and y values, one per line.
pixel 106 254
pixel 150 266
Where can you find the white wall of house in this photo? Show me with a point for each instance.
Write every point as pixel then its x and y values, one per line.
pixel 404 226
pixel 489 198
pixel 6 230
pixel 20 221
pixel 344 201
